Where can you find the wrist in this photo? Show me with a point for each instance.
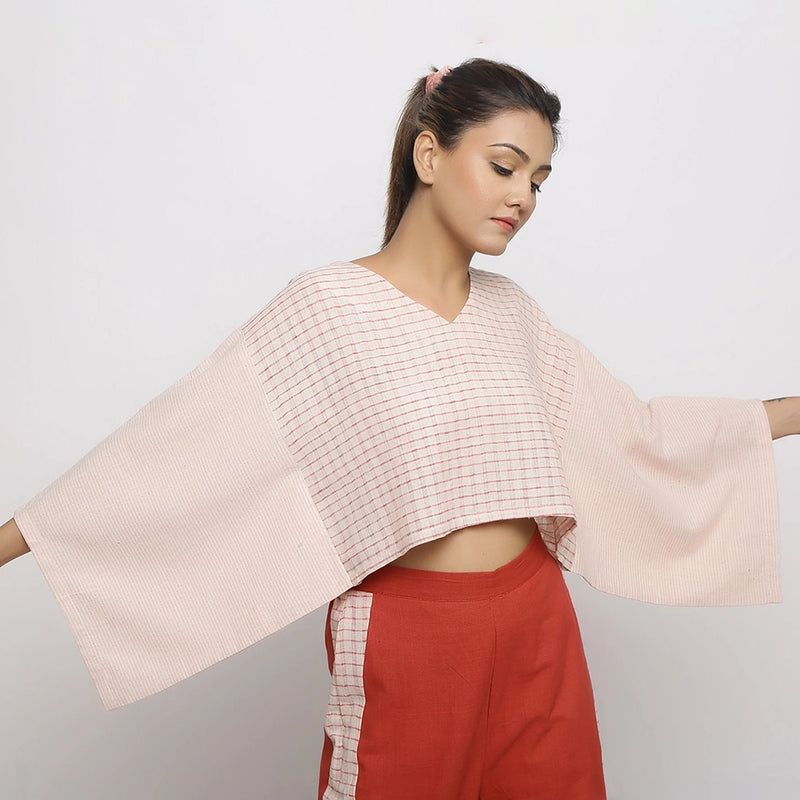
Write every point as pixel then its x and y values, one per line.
pixel 784 416
pixel 12 544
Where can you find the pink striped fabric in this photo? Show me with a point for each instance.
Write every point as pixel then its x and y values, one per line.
pixel 344 423
pixel 405 426
pixel 350 615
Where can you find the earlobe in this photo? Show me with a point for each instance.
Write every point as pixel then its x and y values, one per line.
pixel 425 149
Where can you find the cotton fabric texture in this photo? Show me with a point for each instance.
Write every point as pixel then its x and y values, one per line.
pixel 343 424
pixel 460 685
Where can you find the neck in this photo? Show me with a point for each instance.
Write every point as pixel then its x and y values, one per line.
pixel 423 248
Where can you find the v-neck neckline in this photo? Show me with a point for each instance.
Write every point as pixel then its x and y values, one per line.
pixel 387 284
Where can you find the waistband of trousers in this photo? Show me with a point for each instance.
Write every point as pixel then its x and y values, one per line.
pixel 427 584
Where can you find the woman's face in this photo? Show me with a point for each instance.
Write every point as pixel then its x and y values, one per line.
pixel 493 172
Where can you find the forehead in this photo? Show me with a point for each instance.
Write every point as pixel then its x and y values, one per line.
pixel 528 130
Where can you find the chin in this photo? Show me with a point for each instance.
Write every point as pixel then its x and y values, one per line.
pixel 494 249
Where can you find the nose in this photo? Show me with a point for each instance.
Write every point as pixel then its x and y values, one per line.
pixel 523 198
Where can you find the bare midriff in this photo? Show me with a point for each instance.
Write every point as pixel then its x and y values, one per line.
pixel 477 548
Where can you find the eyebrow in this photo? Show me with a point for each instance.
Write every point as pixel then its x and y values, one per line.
pixel 522 154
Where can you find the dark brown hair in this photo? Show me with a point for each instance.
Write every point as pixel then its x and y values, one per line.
pixel 471 94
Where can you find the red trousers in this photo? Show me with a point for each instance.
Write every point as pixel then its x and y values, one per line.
pixel 460 686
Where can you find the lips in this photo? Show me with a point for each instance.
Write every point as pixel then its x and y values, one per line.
pixel 506 223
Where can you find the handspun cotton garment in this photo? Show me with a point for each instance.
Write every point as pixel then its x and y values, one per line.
pixel 343 424
pixel 460 686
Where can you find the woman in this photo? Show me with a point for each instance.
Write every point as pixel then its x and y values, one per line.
pixel 464 183
pixel 409 439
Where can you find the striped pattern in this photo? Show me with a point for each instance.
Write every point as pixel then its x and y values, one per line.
pixel 185 536
pixel 677 498
pixel 350 615
pixel 407 427
pixel 344 423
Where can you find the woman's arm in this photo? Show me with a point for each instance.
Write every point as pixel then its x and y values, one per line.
pixel 784 416
pixel 11 542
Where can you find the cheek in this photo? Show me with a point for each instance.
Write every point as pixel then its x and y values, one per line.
pixel 468 193
pixel 475 189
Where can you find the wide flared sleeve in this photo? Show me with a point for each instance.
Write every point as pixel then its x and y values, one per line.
pixel 185 536
pixel 676 499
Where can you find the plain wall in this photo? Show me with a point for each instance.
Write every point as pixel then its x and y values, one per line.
pixel 167 166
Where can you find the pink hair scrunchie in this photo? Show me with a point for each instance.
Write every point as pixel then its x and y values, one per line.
pixel 433 80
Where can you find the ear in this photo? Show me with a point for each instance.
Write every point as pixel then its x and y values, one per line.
pixel 426 152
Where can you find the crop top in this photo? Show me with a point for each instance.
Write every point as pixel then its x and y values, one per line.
pixel 344 423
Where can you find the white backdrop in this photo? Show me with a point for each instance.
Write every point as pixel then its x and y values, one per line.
pixel 167 166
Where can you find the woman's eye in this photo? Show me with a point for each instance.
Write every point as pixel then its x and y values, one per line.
pixel 500 170
pixel 535 188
